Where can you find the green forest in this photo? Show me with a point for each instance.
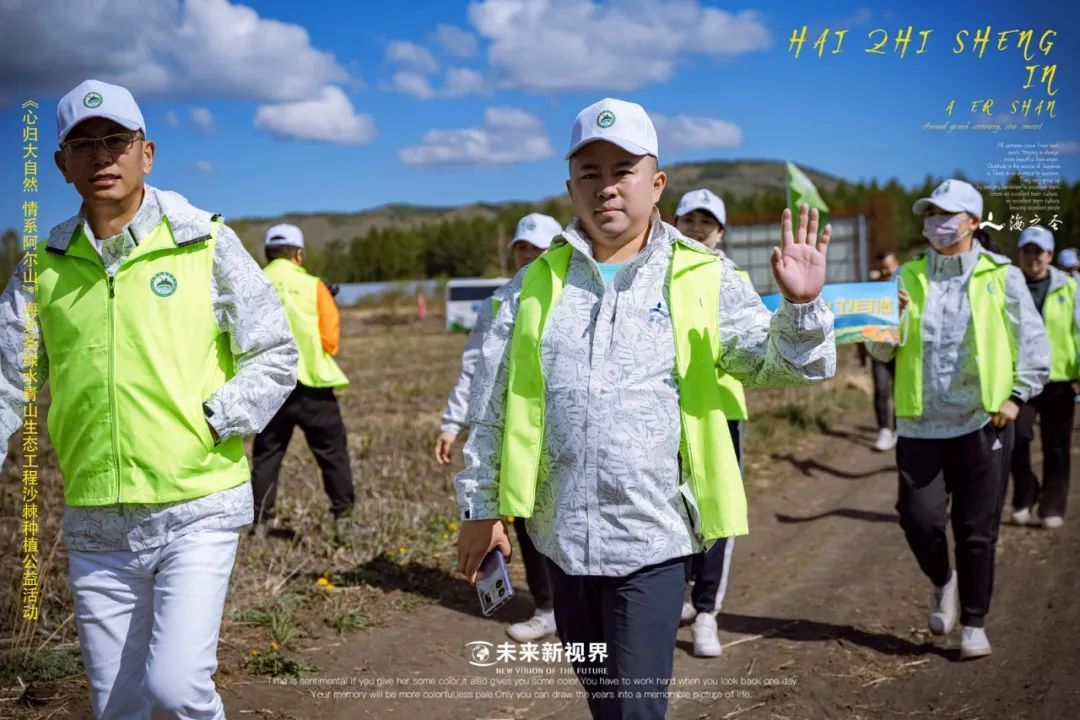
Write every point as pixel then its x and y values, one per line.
pixel 459 248
pixel 476 246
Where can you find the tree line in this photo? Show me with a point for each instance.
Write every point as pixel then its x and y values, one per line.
pixel 463 247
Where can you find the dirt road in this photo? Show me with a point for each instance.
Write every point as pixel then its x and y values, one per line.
pixel 825 618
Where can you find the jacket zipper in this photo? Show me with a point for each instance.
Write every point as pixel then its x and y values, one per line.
pixel 112 384
pixel 112 369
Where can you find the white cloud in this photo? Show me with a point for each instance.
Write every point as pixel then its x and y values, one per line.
pixel 202 119
pixel 454 40
pixel 171 119
pixel 412 56
pixel 463 81
pixel 511 118
pixel 862 16
pixel 858 18
pixel 509 135
pixel 683 132
pixel 551 45
pixel 1068 147
pixel 457 82
pixel 204 166
pixel 329 118
pixel 209 48
pixel 413 84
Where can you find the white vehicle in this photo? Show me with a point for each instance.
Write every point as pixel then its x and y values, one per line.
pixel 464 298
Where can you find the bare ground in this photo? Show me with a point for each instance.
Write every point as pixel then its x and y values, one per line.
pixel 825 618
pixel 825 614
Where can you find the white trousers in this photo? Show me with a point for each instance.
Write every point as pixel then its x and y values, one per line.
pixel 148 626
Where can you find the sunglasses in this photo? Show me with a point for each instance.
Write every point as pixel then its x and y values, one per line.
pixel 116 144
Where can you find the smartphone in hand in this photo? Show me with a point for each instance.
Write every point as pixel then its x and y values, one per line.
pixel 493 582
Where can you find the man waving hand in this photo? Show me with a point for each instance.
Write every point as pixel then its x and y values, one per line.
pixel 596 410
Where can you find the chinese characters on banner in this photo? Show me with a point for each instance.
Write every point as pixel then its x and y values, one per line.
pixel 30 578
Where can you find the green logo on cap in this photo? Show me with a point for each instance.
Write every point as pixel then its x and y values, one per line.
pixel 92 100
pixel 605 119
pixel 163 284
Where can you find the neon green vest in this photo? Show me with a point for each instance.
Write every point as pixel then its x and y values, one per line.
pixel 705 448
pixel 732 393
pixel 1062 331
pixel 995 346
pixel 131 361
pixel 298 291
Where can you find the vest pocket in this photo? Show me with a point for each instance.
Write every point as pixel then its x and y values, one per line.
pixel 202 429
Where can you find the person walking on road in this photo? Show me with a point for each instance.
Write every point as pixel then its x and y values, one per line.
pixel 884 373
pixel 973 353
pixel 163 345
pixel 531 238
pixel 1055 296
pixel 701 216
pixel 597 414
pixel 315 322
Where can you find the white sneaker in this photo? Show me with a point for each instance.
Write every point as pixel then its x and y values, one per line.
pixel 943 601
pixel 1053 522
pixel 706 639
pixel 538 626
pixel 886 440
pixel 1021 516
pixel 973 643
pixel 689 612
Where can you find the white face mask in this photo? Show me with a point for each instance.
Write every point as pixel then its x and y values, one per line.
pixel 943 231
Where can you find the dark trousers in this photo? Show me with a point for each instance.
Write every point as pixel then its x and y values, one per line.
pixel 709 569
pixel 317 413
pixel 971 471
pixel 1056 407
pixel 536 571
pixel 637 617
pixel 884 374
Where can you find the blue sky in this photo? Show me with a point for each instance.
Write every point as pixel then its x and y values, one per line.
pixel 442 103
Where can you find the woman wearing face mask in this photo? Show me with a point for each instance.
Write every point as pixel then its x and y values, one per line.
pixel 972 352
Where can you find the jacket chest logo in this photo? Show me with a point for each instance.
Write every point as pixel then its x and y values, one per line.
pixel 658 314
pixel 163 284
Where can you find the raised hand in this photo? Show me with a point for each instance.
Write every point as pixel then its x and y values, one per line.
pixel 799 263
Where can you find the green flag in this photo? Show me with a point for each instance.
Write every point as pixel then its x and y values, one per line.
pixel 800 190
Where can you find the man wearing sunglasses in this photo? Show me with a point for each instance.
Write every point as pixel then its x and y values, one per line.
pixel 163 345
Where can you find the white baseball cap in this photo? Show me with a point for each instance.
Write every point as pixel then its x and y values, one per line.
pixel 621 123
pixel 1037 235
pixel 93 98
pixel 284 235
pixel 1068 258
pixel 705 200
pixel 537 229
pixel 952 196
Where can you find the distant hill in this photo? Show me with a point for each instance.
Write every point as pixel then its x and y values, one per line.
pixel 728 178
pixel 738 178
pixel 321 228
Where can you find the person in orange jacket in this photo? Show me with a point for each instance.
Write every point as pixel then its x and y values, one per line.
pixel 315 322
